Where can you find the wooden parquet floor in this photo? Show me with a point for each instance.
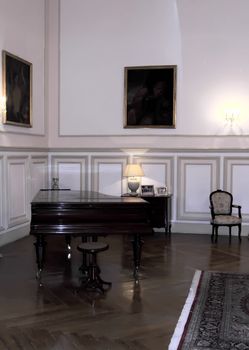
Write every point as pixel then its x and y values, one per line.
pixel 130 316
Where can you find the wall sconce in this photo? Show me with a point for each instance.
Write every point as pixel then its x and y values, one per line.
pixel 231 116
pixel 133 172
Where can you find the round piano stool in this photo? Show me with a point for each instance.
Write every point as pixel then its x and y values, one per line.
pixel 93 281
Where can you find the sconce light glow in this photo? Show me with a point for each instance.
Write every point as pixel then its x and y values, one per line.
pixel 2 107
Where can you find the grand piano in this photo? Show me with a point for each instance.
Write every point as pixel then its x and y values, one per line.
pixel 85 213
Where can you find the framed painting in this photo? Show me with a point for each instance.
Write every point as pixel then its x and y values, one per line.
pixel 17 89
pixel 150 97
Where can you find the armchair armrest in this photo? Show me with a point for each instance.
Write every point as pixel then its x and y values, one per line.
pixel 239 209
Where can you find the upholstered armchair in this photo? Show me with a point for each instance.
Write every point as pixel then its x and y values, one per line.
pixel 221 205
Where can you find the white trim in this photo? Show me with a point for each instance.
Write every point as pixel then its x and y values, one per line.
pixel 176 338
pixel 14 234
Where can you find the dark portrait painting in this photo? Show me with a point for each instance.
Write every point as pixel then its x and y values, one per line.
pixel 17 88
pixel 150 94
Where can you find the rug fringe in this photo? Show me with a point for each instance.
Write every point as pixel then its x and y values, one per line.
pixel 176 338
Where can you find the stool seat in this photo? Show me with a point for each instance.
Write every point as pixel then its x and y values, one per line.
pixel 93 247
pixel 93 281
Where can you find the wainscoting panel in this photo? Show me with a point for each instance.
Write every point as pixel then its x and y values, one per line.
pixel 197 177
pixel 39 174
pixel 189 175
pixel 71 171
pixel 158 171
pixel 107 175
pixel 236 175
pixel 2 195
pixel 17 184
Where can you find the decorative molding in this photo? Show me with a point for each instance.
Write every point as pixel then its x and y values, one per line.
pixel 38 173
pixel 236 174
pixel 189 176
pixel 191 189
pixel 5 149
pixel 17 190
pixel 105 161
pixel 14 233
pixel 167 165
pixel 78 164
pixel 2 194
pixel 126 150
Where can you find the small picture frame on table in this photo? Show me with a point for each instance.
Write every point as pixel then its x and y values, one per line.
pixel 162 191
pixel 147 190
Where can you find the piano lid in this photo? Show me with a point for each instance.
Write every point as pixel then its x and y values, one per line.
pixel 66 196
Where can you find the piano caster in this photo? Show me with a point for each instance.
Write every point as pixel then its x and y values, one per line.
pixel 136 273
pixel 38 277
pixel 68 247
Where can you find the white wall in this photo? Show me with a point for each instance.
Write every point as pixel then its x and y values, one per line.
pixel 207 41
pixel 215 73
pixel 22 33
pixel 97 41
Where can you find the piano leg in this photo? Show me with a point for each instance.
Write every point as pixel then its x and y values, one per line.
pixel 84 266
pixel 137 245
pixel 68 244
pixel 40 245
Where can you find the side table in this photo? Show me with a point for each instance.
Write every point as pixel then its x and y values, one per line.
pixel 160 211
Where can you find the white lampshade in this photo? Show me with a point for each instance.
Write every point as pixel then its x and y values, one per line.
pixel 133 170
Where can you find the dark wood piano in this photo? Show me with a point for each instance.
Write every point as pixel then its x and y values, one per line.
pixel 77 213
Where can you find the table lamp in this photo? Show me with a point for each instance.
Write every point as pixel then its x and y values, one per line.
pixel 133 172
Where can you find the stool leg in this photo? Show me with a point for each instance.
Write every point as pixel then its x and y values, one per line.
pixel 94 282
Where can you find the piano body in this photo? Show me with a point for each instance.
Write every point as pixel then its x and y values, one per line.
pixel 85 213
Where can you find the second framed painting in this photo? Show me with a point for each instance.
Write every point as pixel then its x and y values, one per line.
pixel 150 97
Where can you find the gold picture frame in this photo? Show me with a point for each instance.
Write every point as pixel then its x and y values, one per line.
pixel 150 97
pixel 17 90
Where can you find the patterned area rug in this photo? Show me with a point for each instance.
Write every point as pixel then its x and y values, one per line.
pixel 216 313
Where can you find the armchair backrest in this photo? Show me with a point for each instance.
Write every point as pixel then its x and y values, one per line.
pixel 221 202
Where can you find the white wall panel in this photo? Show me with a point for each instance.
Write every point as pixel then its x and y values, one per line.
pixel 39 174
pixel 72 172
pixel 1 194
pixel 17 194
pixel 189 176
pixel 157 171
pixel 197 178
pixel 107 175
pixel 201 184
pixel 108 30
pixel 70 175
pixel 236 177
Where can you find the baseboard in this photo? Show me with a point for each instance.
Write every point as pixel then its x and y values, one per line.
pixel 205 228
pixel 14 234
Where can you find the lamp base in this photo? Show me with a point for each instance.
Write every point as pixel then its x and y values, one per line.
pixel 133 187
pixel 133 194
